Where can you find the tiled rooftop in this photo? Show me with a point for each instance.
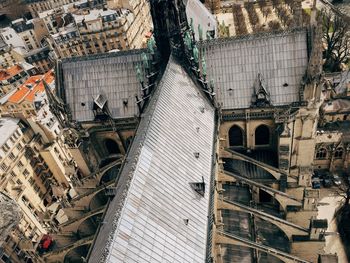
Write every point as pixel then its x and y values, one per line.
pixel 33 85
pixel 49 78
pixel 10 72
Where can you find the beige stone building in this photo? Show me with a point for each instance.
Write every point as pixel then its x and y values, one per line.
pixel 40 58
pixel 25 30
pixel 37 6
pixel 8 55
pixel 36 174
pixel 80 28
pixel 98 31
pixel 26 180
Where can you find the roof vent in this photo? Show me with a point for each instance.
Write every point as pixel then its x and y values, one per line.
pixel 186 221
pixel 201 109
pixel 100 101
pixel 125 102
pixel 29 86
pixel 199 187
pixel 196 154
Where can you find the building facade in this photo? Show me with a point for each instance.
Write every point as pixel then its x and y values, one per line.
pixel 98 31
pixel 13 77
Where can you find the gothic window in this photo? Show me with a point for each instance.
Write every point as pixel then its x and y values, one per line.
pixel 321 154
pixel 235 136
pixel 262 135
pixel 338 153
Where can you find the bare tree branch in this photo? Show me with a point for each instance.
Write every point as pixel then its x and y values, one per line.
pixel 336 36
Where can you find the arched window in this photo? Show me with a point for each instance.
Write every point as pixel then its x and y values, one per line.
pixel 321 154
pixel 338 153
pixel 235 135
pixel 112 147
pixel 262 135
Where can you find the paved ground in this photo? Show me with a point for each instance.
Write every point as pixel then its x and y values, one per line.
pixel 328 203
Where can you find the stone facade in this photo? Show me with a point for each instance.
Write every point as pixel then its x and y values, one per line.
pixel 96 31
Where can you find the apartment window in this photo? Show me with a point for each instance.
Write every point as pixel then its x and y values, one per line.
pixel 31 181
pixel 12 156
pixel 20 164
pixel 13 174
pixel 36 188
pixel 12 139
pixel 25 173
pixel 24 199
pixel 19 146
pixel 42 177
pixel 30 206
pixel 19 182
pixel 5 148
pixel 4 166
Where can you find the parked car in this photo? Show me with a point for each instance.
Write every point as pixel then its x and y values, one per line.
pixel 316 183
pixel 327 182
pixel 336 179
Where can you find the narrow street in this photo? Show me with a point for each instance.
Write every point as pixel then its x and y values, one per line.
pixel 327 206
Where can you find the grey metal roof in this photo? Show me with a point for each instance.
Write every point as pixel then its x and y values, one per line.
pixel 145 221
pixel 112 75
pixel 234 64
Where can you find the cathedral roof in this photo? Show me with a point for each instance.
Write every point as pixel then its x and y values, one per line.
pixel 234 64
pixel 156 215
pixel 111 75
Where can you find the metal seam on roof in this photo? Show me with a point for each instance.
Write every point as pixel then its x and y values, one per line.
pixel 161 162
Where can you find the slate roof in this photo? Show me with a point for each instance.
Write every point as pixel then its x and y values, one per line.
pixel 113 75
pixel 146 220
pixel 234 63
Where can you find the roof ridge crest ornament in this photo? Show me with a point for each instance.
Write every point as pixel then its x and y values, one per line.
pixel 261 96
